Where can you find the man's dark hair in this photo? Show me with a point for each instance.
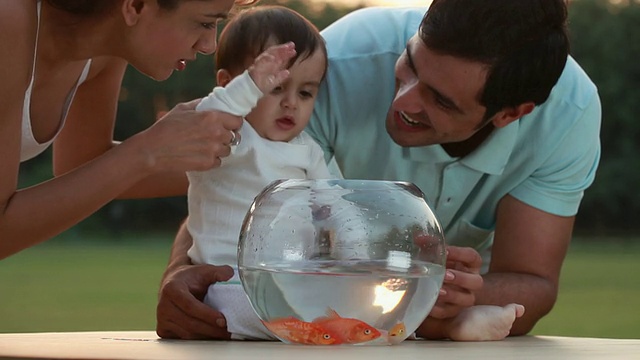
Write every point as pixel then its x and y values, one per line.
pixel 524 43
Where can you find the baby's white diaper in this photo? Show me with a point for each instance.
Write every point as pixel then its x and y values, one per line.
pixel 242 322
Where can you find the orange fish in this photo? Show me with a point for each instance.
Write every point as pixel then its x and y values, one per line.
pixel 301 332
pixel 397 333
pixel 349 331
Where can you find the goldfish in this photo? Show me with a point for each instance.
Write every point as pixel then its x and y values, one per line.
pixel 397 333
pixel 348 330
pixel 301 332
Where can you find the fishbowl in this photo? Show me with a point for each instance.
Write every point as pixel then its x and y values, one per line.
pixel 330 262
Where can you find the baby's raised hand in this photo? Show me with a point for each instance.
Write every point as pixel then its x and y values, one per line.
pixel 269 69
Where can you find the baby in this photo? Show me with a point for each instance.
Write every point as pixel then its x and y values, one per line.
pixel 274 88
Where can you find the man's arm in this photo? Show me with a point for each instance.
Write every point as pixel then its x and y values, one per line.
pixel 528 250
pixel 180 312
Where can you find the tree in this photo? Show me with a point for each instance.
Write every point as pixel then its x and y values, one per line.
pixel 142 101
pixel 604 41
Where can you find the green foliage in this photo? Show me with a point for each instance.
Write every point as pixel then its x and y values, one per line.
pixel 604 42
pixel 142 101
pixel 321 15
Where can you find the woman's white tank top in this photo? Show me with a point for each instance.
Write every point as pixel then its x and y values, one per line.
pixel 30 147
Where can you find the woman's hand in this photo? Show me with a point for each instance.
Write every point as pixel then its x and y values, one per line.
pixel 186 140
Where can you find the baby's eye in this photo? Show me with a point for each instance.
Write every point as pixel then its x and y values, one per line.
pixel 276 89
pixel 306 94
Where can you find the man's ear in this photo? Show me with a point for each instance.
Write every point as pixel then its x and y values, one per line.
pixel 131 10
pixel 506 116
pixel 223 77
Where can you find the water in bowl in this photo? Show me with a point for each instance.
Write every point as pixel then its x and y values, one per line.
pixel 342 302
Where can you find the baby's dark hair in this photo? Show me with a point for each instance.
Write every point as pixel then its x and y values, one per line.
pixel 253 30
pixel 524 44
pixel 99 7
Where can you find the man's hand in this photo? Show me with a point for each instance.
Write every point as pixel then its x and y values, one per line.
pixel 461 282
pixel 181 314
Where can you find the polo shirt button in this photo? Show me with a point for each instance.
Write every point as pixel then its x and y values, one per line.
pixel 448 200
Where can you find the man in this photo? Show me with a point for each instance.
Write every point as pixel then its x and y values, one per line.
pixel 485 112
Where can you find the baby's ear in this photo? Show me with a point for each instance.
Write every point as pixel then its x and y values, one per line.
pixel 223 77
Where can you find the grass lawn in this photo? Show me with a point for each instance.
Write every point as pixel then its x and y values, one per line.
pixel 83 285
pixel 599 292
pixel 75 285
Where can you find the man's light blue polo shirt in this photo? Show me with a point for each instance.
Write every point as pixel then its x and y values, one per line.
pixel 546 159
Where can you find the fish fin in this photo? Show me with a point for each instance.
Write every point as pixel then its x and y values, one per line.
pixel 280 321
pixel 332 314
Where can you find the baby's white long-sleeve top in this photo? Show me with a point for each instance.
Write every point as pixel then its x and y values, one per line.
pixel 219 198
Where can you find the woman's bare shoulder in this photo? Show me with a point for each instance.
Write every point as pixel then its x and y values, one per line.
pixel 18 24
pixel 18 19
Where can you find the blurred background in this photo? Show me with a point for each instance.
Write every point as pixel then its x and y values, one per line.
pixel 104 273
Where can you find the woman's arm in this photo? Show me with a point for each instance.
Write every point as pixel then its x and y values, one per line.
pixel 89 130
pixel 183 140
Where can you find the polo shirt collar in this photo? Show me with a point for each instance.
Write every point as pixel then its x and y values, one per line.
pixel 490 157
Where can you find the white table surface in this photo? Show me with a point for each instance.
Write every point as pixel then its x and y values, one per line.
pixel 146 345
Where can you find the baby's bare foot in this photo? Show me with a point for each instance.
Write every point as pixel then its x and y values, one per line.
pixel 485 322
pixel 269 69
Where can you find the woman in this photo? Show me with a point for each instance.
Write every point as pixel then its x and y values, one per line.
pixel 63 63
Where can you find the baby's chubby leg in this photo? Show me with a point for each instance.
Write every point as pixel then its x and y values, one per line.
pixel 485 322
pixel 242 321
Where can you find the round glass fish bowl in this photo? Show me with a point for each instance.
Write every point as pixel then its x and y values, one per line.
pixel 331 262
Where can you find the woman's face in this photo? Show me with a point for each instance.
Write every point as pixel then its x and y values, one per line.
pixel 162 41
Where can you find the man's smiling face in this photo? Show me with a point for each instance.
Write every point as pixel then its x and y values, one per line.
pixel 437 98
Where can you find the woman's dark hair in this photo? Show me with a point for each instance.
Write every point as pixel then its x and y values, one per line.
pixel 524 44
pixel 98 7
pixel 251 31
